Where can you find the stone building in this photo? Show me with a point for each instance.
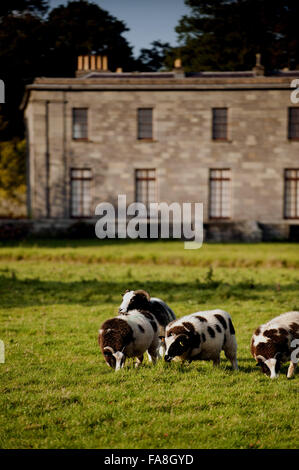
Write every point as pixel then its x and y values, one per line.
pixel 227 139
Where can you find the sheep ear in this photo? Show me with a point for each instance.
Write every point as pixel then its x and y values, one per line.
pixel 127 290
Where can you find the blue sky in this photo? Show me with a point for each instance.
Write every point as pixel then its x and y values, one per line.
pixel 148 20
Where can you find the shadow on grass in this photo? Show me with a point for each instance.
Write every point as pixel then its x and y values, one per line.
pixel 83 242
pixel 30 292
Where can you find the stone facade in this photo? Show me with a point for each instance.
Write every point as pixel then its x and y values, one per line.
pixel 182 150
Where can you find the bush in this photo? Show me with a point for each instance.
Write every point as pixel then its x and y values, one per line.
pixel 12 177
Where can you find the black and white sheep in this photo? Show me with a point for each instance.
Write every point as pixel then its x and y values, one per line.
pixel 274 342
pixel 202 336
pixel 141 300
pixel 129 336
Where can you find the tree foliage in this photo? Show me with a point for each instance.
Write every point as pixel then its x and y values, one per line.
pixel 226 34
pixel 156 57
pixel 84 28
pixel 12 168
pixel 34 45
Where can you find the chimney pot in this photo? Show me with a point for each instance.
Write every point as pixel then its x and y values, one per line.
pixel 105 63
pixel 86 62
pixel 178 64
pixel 80 62
pixel 93 62
pixel 99 62
pixel 258 69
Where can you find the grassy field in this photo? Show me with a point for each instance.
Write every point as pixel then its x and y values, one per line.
pixel 57 392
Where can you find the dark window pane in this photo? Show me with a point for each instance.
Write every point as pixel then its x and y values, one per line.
pixel 293 123
pixel 80 123
pixel 145 123
pixel 219 124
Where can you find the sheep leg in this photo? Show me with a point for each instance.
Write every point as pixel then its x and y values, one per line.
pixel 139 361
pixel 291 370
pixel 216 361
pixel 230 351
pixel 153 352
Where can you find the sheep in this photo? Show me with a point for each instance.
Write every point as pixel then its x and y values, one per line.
pixel 273 343
pixel 141 299
pixel 129 336
pixel 202 336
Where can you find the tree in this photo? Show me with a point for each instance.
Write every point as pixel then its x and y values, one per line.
pixel 22 57
pixel 82 28
pixel 12 168
pixel 226 34
pixel 156 58
pixel 32 45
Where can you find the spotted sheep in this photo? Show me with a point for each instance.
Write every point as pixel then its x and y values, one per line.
pixel 129 336
pixel 140 299
pixel 273 343
pixel 202 336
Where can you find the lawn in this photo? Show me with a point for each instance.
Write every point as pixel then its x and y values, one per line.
pixel 57 392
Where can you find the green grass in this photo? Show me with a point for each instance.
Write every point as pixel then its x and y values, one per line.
pixel 57 392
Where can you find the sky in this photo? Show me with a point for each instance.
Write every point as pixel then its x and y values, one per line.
pixel 148 20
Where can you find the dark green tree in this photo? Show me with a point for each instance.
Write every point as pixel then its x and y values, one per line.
pixel 33 45
pixel 82 28
pixel 155 58
pixel 226 34
pixel 22 52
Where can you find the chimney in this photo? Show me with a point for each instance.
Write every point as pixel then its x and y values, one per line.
pixel 177 64
pixel 178 69
pixel 258 69
pixel 91 63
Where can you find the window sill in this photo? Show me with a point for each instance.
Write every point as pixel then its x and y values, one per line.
pixel 222 140
pixel 82 140
pixel 146 140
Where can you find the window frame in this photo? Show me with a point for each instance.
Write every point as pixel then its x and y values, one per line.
pixel 286 178
pixel 147 186
pixel 221 217
pixel 90 178
pixel 80 139
pixel 214 123
pixel 290 109
pixel 139 124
